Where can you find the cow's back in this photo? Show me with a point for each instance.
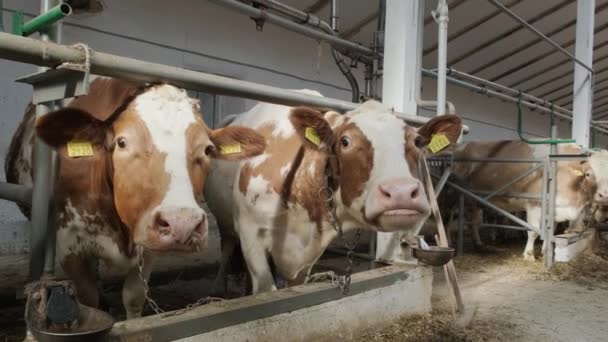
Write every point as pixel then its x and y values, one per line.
pixel 18 164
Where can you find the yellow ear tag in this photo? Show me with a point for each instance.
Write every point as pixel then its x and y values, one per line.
pixel 230 149
pixel 312 136
pixel 577 173
pixel 78 148
pixel 438 142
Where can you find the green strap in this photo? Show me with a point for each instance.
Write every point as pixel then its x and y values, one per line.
pixel 540 141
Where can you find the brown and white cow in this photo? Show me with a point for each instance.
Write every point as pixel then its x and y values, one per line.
pixel 277 203
pixel 579 182
pixel 141 186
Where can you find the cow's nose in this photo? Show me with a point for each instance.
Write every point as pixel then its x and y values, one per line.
pixel 399 190
pixel 399 194
pixel 180 223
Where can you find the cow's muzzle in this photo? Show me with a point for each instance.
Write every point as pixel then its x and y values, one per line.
pixel 181 229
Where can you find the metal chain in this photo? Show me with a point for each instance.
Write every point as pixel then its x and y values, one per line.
pixel 155 307
pixel 343 282
pixel 140 267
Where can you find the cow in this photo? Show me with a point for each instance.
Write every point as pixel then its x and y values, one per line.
pixel 363 165
pixel 579 182
pixel 133 162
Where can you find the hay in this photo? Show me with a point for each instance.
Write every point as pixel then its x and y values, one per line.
pixel 440 326
pixel 589 269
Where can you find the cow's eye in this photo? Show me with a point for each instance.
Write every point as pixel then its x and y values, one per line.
pixel 419 141
pixel 121 142
pixel 345 141
pixel 587 174
pixel 209 149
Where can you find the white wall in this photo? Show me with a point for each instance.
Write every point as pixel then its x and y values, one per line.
pixel 198 35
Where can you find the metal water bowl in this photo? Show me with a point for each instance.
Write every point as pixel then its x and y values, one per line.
pixel 434 255
pixel 93 325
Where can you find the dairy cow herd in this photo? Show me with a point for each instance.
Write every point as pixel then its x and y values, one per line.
pixel 136 160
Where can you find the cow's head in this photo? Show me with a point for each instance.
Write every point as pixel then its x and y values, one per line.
pixel 377 160
pixel 156 150
pixel 593 176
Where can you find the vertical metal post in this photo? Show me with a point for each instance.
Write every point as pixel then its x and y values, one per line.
pixel 460 245
pixel 401 80
pixel 550 225
pixel 442 18
pixel 583 78
pixel 42 247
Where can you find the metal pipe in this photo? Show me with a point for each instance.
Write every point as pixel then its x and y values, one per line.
pixel 290 25
pixel 355 254
pixel 42 230
pixel 27 50
pixel 495 160
pixel 492 206
pixel 484 90
pixel 441 183
pixel 16 193
pixel 538 33
pixel 312 20
pixel 449 105
pixel 502 226
pixel 442 18
pixel 46 19
pixel 333 19
pixel 506 89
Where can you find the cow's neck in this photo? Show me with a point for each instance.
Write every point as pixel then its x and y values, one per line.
pixel 84 185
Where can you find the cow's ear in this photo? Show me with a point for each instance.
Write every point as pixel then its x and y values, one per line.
pixel 448 125
pixel 235 143
pixel 314 131
pixel 59 127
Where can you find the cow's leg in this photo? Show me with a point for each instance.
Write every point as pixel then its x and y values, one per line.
pixel 476 221
pixel 78 269
pixel 220 284
pixel 133 291
pixel 533 216
pixel 259 268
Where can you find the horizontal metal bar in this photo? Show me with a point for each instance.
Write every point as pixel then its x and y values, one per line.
pixel 503 226
pixel 21 194
pixel 494 160
pixel 27 50
pixel 232 312
pixel 486 91
pixel 522 195
pixel 539 34
pixel 508 90
pixel 355 254
pixel 295 27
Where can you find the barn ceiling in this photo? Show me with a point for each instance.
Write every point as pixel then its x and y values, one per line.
pixel 487 43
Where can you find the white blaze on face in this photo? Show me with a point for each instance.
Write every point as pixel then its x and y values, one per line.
pixel 386 134
pixel 167 112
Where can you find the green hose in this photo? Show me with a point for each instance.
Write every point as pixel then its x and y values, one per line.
pixel 536 142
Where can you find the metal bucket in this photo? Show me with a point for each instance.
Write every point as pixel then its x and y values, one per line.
pixel 54 314
pixel 434 255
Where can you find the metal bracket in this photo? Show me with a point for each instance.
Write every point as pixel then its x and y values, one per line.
pixel 57 84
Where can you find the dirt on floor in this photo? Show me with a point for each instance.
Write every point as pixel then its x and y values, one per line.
pixel 509 299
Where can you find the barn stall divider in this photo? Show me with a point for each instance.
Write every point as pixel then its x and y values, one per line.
pixel 54 83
